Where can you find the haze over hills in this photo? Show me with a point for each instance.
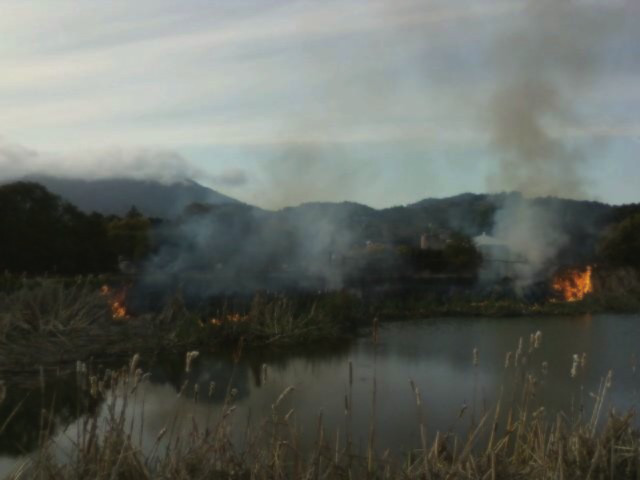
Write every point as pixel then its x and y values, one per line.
pixel 117 195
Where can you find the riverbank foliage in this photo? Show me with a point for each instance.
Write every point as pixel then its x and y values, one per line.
pixel 516 438
pixel 47 321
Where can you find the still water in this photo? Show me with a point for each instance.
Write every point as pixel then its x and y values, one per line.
pixel 437 354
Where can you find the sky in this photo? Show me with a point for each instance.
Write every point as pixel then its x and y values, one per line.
pixel 383 102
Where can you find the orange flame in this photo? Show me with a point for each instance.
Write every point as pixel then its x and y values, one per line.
pixel 116 302
pixel 573 284
pixel 230 318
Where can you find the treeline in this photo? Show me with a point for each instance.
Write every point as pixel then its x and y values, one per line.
pixel 41 233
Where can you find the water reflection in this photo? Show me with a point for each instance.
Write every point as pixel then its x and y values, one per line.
pixel 436 354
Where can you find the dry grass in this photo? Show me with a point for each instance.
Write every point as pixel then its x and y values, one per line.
pixel 50 308
pixel 517 438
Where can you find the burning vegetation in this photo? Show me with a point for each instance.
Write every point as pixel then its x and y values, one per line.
pixel 116 299
pixel 230 318
pixel 573 284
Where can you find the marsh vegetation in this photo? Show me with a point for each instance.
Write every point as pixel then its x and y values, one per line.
pixel 516 430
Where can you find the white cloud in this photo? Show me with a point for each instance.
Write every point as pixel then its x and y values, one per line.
pixel 132 79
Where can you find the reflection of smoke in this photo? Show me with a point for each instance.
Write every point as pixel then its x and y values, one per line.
pixel 551 55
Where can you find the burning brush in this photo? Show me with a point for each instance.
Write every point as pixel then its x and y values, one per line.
pixel 573 284
pixel 116 299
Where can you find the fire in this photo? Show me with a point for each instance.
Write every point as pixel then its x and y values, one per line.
pixel 116 302
pixel 574 284
pixel 230 318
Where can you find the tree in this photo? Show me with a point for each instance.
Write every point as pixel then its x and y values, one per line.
pixel 621 245
pixel 42 233
pixel 461 254
pixel 130 236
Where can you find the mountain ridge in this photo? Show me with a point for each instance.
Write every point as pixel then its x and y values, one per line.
pixel 115 196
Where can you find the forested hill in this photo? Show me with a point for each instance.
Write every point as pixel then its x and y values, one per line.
pixel 42 232
pixel 116 196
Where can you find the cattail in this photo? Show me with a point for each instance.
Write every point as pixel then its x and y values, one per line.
pixel 234 392
pixel 134 364
pixel 518 352
pixel 93 382
pixel 537 340
pixel 288 415
pixel 507 360
pixel 583 360
pixel 212 388
pixel 545 368
pixel 475 357
pixel 264 373
pixel 196 392
pixel 184 386
pixel 286 392
pixel 574 366
pixel 161 434
pixel 191 356
pixel 608 379
pixel 532 341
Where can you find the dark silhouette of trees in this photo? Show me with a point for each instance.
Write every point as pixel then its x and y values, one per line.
pixel 621 246
pixel 130 236
pixel 39 232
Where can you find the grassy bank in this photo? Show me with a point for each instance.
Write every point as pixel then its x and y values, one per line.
pixel 56 321
pixel 474 306
pixel 47 322
pixel 515 438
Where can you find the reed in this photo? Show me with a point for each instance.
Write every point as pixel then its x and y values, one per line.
pixel 516 438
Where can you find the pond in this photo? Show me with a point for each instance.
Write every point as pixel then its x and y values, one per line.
pixel 374 378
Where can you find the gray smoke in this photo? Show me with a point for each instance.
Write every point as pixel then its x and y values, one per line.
pixel 553 54
pixel 300 173
pixel 241 249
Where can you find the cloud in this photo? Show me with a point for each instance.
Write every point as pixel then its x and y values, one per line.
pixel 350 76
pixel 232 177
pixel 17 161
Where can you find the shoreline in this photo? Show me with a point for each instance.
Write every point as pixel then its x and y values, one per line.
pixel 53 323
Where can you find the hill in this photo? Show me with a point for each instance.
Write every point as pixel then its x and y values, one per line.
pixel 117 195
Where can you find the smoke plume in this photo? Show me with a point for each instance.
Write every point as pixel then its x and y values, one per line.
pixel 550 57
